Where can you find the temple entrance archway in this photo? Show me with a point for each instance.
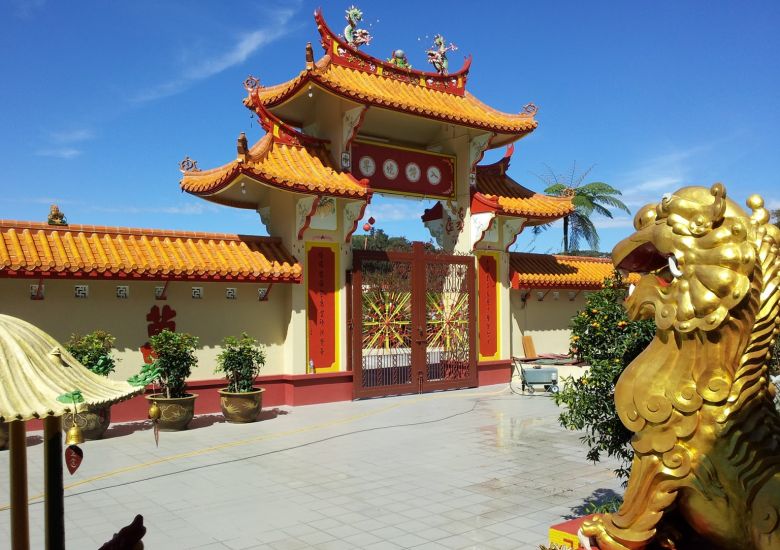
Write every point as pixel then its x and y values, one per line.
pixel 412 322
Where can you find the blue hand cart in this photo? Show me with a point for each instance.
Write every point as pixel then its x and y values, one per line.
pixel 527 375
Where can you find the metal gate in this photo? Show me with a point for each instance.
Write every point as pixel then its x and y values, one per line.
pixel 413 322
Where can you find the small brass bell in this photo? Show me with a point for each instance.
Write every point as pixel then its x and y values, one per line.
pixel 154 411
pixel 75 436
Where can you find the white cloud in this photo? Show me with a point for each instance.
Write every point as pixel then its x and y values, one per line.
pixel 72 136
pixel 24 9
pixel 188 209
pixel 59 152
pixel 245 46
pixel 612 223
pixel 396 210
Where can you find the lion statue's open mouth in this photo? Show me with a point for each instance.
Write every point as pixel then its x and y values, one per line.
pixel 694 251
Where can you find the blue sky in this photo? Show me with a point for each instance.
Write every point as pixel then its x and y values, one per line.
pixel 100 100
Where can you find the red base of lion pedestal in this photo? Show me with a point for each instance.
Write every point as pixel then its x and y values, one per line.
pixel 565 534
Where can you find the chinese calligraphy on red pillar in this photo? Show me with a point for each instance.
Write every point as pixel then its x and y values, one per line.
pixel 488 314
pixel 321 277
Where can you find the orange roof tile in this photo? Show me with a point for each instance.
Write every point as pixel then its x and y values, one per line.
pixel 283 158
pixel 355 75
pixel 513 199
pixel 38 249
pixel 564 272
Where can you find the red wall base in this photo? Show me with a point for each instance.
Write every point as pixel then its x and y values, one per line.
pixel 494 372
pixel 283 389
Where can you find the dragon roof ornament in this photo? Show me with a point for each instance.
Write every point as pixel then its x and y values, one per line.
pixel 345 53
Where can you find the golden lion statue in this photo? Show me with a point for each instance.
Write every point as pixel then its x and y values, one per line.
pixel 706 469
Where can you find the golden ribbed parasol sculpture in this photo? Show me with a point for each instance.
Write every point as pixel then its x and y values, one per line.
pixel 35 373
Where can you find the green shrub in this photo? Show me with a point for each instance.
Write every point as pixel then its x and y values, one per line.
pixel 240 361
pixel 604 337
pixel 175 357
pixel 93 350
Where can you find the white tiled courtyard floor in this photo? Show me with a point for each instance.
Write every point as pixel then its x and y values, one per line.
pixel 479 468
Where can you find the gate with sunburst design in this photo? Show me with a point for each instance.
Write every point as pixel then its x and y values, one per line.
pixel 413 322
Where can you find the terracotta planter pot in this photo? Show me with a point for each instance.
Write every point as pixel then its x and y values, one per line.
pixel 176 412
pixel 93 420
pixel 241 407
pixel 3 436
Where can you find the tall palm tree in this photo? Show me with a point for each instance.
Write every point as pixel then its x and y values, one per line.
pixel 588 198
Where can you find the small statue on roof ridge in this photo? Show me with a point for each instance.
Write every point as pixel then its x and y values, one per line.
pixel 437 56
pixel 354 36
pixel 400 60
pixel 56 217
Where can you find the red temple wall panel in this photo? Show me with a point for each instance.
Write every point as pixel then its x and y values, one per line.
pixel 488 306
pixel 322 306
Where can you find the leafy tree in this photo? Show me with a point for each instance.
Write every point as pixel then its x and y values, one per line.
pixel 588 198
pixel 776 217
pixel 377 239
pixel 93 350
pixel 240 360
pixel 175 357
pixel 604 337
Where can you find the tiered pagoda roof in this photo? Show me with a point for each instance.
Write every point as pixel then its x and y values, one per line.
pixel 355 75
pixel 496 191
pixel 542 271
pixel 284 158
pixel 30 249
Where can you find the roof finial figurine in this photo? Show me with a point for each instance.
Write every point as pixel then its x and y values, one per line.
pixel 400 60
pixel 56 217
pixel 354 36
pixel 438 55
pixel 241 144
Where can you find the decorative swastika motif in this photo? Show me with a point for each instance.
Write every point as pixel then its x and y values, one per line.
pixel 81 291
pixel 123 292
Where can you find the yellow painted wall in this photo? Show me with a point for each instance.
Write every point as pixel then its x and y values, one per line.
pixel 210 319
pixel 546 321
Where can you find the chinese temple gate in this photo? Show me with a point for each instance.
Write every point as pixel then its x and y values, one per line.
pixel 350 125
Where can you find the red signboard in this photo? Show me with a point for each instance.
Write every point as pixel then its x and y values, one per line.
pixel 321 280
pixel 403 171
pixel 488 314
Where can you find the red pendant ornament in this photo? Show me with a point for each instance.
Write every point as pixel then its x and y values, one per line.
pixel 73 457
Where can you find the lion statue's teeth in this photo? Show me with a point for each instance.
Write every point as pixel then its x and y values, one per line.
pixel 674 268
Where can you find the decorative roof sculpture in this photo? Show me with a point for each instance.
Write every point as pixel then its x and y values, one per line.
pixel 35 370
pixel 350 73
pixel 354 36
pixel 437 56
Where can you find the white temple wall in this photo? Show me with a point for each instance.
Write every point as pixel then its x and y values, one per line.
pixel 547 321
pixel 210 318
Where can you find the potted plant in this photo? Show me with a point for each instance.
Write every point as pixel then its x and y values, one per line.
pixel 93 350
pixel 240 361
pixel 174 354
